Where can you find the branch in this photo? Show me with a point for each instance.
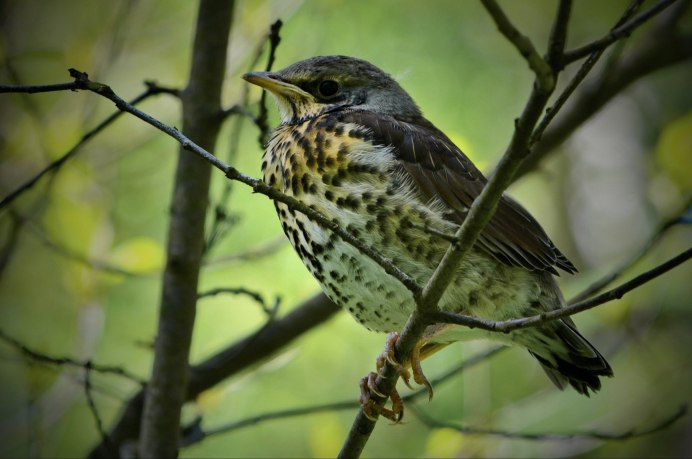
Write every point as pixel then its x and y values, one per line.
pixel 545 77
pixel 262 123
pixel 622 30
pixel 650 243
pixel 506 326
pixel 269 310
pixel 92 404
pixel 200 435
pixel 479 215
pixel 257 185
pixel 67 361
pixel 272 337
pixel 253 253
pixel 662 47
pixel 54 166
pixel 583 71
pixel 546 436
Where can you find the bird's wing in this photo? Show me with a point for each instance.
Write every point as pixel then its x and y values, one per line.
pixel 440 169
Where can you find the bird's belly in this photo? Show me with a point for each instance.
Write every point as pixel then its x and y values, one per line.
pixel 482 287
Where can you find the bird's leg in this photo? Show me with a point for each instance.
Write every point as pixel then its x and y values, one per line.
pixel 368 384
pixel 371 409
pixel 417 369
pixel 388 355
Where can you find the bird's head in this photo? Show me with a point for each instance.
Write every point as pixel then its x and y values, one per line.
pixel 321 84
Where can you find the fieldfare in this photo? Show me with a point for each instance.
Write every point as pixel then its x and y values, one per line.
pixel 354 145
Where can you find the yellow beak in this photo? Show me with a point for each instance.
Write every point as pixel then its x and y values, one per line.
pixel 273 83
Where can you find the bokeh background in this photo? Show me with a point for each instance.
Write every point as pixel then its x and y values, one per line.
pixel 600 199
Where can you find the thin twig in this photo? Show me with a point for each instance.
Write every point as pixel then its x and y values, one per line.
pixel 54 166
pixel 546 79
pixel 69 254
pixel 337 406
pixel 23 89
pixel 648 245
pixel 583 71
pixel 253 253
pixel 262 117
pixel 92 403
pixel 269 310
pixel 479 215
pixel 223 221
pixel 621 30
pixel 549 436
pixel 257 185
pixel 67 361
pixel 558 34
pixel 506 326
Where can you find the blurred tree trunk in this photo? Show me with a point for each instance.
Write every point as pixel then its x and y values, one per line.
pixel 201 102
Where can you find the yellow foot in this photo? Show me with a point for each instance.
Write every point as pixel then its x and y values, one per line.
pixel 368 384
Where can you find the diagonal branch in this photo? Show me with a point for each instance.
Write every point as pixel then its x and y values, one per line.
pixel 545 77
pixel 546 436
pixel 618 292
pixel 622 30
pixel 663 46
pixel 478 216
pixel 67 361
pixel 54 166
pixel 337 406
pixel 272 337
pixel 257 185
pixel 650 243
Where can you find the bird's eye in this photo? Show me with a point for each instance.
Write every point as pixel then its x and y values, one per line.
pixel 328 88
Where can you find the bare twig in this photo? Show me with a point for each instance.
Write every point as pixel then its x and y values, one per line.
pixel 257 185
pixel 479 215
pixel 92 403
pixel 650 243
pixel 558 34
pixel 269 310
pixel 70 254
pixel 262 117
pixel 663 46
pixel 621 30
pixel 548 436
pixel 545 77
pixel 23 89
pixel 58 163
pixel 10 243
pixel 337 406
pixel 67 361
pixel 252 253
pixel 566 93
pixel 272 336
pixel 507 326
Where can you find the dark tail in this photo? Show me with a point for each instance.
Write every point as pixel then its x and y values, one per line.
pixel 567 357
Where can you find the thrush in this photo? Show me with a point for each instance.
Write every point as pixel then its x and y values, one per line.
pixel 354 145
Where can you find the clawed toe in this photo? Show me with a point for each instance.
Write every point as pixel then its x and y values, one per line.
pixel 368 384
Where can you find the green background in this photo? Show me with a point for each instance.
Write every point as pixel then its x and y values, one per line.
pixel 600 198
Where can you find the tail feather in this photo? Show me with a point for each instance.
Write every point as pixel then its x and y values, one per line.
pixel 570 358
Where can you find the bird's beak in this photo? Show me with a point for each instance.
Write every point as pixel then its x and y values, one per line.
pixel 273 83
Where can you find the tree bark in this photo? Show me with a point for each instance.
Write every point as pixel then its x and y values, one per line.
pixel 201 100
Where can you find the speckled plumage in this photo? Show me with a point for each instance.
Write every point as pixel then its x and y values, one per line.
pixel 365 157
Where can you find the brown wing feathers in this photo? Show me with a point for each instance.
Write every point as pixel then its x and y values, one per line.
pixel 440 169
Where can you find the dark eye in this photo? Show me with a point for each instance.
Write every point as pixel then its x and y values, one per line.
pixel 328 88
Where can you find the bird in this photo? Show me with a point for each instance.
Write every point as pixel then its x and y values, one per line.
pixel 353 145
